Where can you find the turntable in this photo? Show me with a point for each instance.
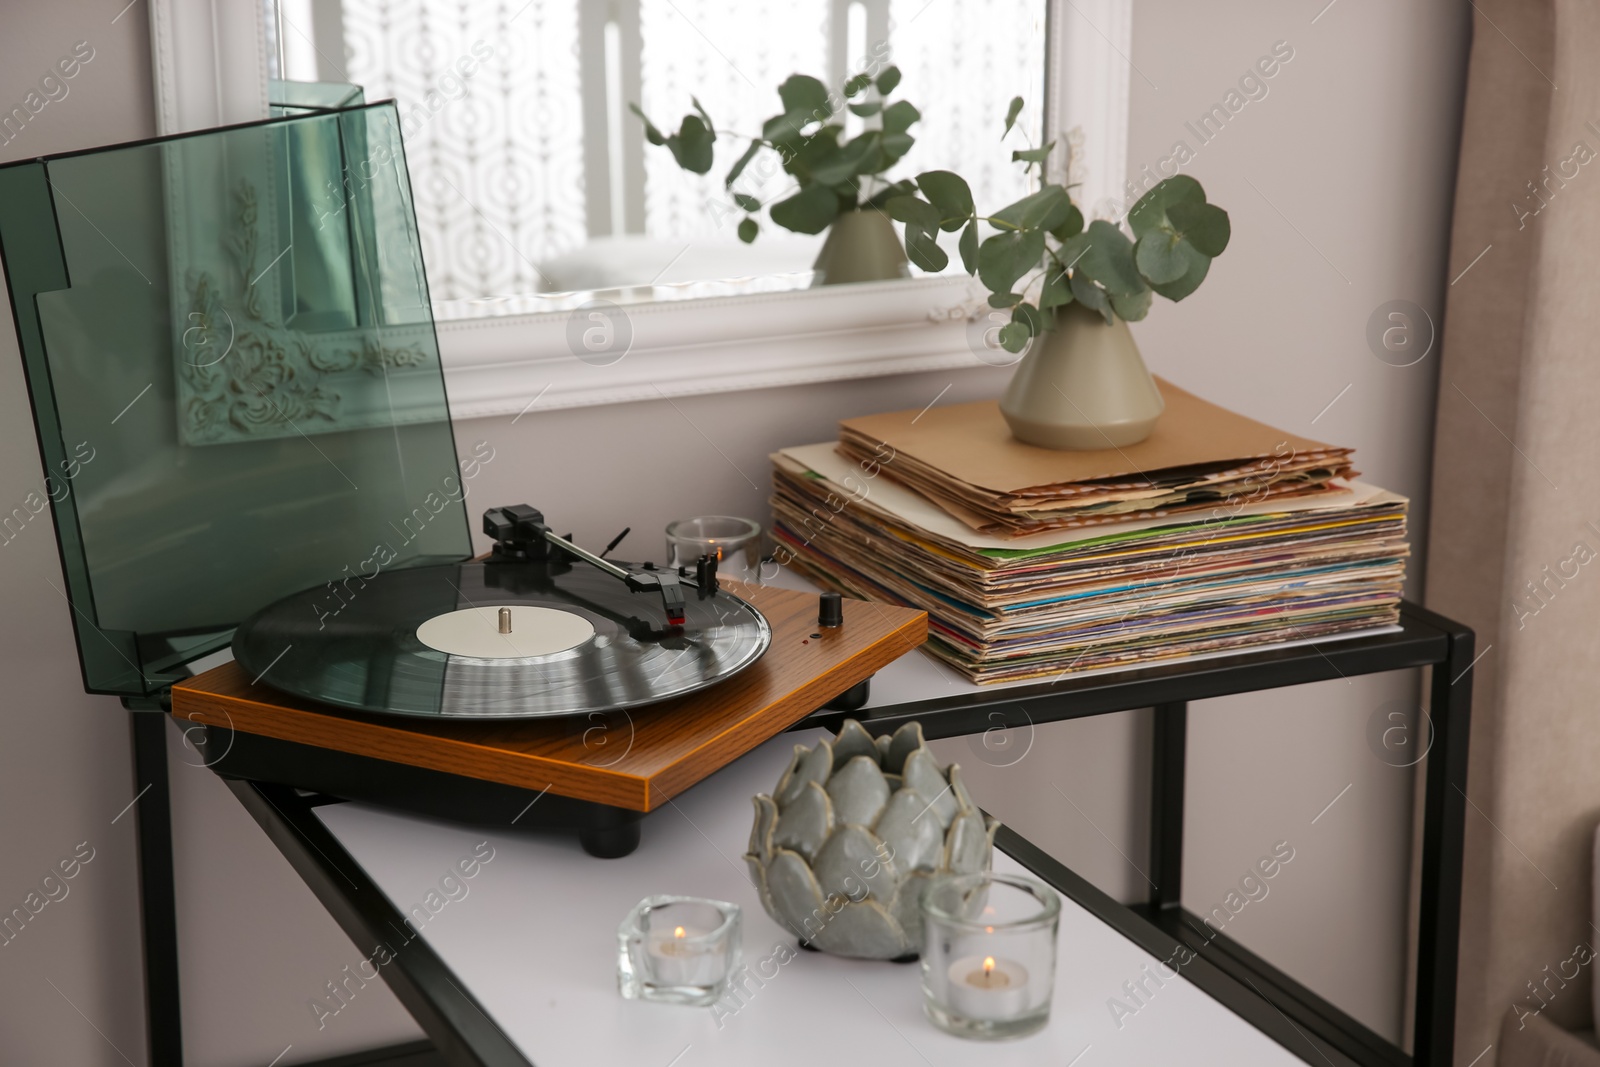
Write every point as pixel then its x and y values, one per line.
pixel 240 404
pixel 541 686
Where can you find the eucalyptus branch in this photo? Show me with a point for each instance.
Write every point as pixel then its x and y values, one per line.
pixel 1175 235
pixel 833 175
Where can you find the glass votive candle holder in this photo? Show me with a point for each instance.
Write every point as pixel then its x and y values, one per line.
pixel 989 954
pixel 733 542
pixel 678 950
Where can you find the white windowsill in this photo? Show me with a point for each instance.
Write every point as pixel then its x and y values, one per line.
pixel 509 364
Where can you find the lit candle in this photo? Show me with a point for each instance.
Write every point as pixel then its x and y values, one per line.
pixel 677 950
pixel 987 988
pixel 684 959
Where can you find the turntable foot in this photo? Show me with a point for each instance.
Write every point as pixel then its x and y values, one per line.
pixel 852 699
pixel 610 842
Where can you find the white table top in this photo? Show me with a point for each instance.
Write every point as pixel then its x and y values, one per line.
pixel 534 940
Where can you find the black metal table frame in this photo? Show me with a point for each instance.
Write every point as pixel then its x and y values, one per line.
pixel 1285 1010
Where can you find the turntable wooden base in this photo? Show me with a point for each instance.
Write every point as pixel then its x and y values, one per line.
pixel 627 762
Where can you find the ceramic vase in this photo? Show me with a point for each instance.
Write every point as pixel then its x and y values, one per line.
pixel 861 246
pixel 1082 387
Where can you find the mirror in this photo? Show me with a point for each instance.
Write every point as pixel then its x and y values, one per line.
pixel 536 189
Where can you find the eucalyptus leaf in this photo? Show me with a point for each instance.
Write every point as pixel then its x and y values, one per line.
pixel 949 193
pixel 805 94
pixel 898 116
pixel 1046 209
pixel 1104 253
pixel 841 163
pixel 1070 226
pixel 748 228
pixel 1004 300
pixel 1007 256
pixel 1057 290
pixel 1132 307
pixel 1012 111
pixel 872 159
pixel 1205 226
pixel 1091 296
pixel 888 80
pixel 1014 336
pixel 1162 256
pixel 903 187
pixel 858 147
pixel 1030 317
pixel 691 145
pixel 651 134
pixel 924 251
pixel 820 159
pixel 1187 284
pixel 808 211
pixel 969 247
pixel 819 147
pixel 746 201
pixel 709 124
pixel 742 162
pixel 894 146
pixel 788 128
pixel 866 110
pixel 1033 155
pixel 1151 211
pixel 913 210
pixel 857 83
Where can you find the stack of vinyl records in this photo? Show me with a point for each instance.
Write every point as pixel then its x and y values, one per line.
pixel 1215 534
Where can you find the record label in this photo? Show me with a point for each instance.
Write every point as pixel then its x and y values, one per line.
pixel 529 632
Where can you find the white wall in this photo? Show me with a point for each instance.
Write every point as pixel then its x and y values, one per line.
pixel 1339 184
pixel 65 765
pixel 254 945
pixel 1354 145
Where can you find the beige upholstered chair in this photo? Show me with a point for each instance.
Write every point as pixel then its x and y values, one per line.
pixel 1534 1041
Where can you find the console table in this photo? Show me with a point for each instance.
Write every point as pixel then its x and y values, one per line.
pixel 520 970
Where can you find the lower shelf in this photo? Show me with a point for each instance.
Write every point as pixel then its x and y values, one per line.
pixel 1249 986
pixel 1311 1013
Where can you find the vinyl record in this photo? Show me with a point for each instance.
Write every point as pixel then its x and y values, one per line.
pixel 425 641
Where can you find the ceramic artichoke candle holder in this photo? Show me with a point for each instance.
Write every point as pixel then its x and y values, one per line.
pixel 843 847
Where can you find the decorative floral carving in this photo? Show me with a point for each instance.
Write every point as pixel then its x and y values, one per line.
pixel 243 376
pixel 260 385
pixel 372 356
pixel 333 360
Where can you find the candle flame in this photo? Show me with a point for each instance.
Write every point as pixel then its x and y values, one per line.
pixel 679 932
pixel 988 966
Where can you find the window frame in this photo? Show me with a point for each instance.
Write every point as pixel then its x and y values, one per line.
pixel 210 64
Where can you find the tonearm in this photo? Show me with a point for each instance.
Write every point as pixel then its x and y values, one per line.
pixel 522 536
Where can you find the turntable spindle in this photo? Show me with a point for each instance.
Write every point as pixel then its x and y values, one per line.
pixel 505 620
